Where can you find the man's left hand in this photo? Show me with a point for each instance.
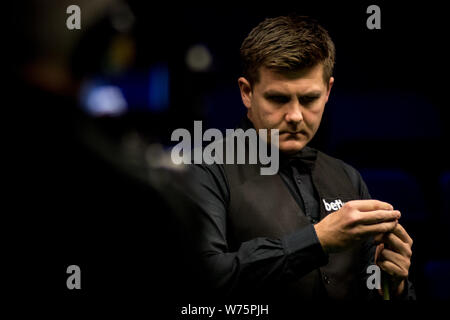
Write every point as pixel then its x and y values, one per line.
pixel 393 256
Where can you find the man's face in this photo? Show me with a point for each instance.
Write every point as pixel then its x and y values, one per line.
pixel 292 103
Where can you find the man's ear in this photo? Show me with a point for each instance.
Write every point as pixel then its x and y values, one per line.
pixel 330 84
pixel 246 92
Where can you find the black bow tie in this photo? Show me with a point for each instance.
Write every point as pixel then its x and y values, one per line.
pixel 303 160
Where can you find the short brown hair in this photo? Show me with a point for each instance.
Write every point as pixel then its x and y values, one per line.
pixel 287 43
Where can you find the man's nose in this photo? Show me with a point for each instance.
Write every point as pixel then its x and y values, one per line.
pixel 294 114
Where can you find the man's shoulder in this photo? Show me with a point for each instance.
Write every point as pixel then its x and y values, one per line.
pixel 352 173
pixel 349 169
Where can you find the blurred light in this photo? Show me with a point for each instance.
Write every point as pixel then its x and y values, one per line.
pixel 133 91
pixel 158 95
pixel 157 157
pixel 198 58
pixel 104 100
pixel 121 54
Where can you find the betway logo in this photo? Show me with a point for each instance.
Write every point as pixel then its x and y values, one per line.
pixel 334 205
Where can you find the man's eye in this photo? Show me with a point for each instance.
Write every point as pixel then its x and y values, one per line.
pixel 279 99
pixel 307 100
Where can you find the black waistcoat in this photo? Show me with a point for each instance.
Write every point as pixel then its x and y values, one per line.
pixel 262 206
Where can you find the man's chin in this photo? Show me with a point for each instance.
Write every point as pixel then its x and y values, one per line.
pixel 291 147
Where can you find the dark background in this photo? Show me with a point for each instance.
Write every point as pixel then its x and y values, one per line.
pixel 84 188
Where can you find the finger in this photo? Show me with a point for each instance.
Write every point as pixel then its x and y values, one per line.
pixel 378 250
pixel 370 205
pixel 399 260
pixel 393 242
pixel 378 238
pixel 392 269
pixel 400 232
pixel 378 216
pixel 371 229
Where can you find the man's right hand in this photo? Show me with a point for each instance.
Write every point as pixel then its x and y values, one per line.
pixel 355 221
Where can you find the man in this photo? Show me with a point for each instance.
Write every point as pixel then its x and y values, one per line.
pixel 311 230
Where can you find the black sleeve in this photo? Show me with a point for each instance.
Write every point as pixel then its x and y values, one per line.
pixel 369 247
pixel 258 262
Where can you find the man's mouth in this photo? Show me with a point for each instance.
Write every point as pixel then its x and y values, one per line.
pixel 293 135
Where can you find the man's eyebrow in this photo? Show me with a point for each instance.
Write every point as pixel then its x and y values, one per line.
pixel 271 93
pixel 313 93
